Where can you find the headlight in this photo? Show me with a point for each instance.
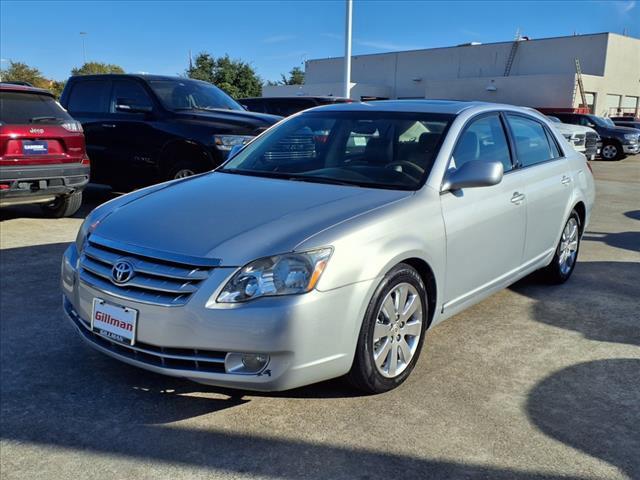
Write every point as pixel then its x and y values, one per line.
pixel 288 274
pixel 227 142
pixel 89 225
pixel 630 136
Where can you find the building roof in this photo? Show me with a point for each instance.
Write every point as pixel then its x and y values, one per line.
pixel 476 45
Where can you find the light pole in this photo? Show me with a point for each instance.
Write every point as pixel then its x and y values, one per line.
pixel 347 50
pixel 84 50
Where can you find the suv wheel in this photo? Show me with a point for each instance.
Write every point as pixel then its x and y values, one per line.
pixel 392 332
pixel 611 151
pixel 564 260
pixel 183 170
pixel 63 206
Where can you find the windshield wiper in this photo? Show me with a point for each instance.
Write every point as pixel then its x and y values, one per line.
pixel 290 176
pixel 327 180
pixel 44 119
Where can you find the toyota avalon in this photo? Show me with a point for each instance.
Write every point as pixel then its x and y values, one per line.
pixel 329 244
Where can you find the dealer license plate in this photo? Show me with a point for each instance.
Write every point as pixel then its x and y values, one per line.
pixel 114 322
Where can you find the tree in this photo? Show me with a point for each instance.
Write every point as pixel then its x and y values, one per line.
pixel 235 77
pixel 92 68
pixel 21 72
pixel 296 77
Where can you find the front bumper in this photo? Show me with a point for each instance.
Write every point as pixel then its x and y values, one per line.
pixel 631 149
pixel 37 184
pixel 308 338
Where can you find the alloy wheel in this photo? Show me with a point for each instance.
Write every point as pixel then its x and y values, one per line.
pixel 397 331
pixel 183 173
pixel 609 152
pixel 568 246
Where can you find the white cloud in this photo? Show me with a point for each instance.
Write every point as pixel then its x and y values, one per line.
pixel 383 45
pixel 278 38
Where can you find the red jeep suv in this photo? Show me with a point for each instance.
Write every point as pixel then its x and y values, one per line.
pixel 42 152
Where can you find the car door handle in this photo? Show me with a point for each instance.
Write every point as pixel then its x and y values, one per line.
pixel 566 180
pixel 517 198
pixel 109 125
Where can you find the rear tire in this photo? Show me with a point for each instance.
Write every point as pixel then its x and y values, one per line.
pixel 566 256
pixel 390 341
pixel 63 206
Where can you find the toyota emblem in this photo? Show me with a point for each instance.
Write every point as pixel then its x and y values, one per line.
pixel 122 272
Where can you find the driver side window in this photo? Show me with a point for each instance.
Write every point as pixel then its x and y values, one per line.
pixel 483 140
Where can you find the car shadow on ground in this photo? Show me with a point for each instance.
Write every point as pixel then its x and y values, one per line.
pixel 92 196
pixel 593 407
pixel 595 301
pixel 57 392
pixel 625 240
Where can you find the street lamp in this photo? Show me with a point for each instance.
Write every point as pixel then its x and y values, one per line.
pixel 84 50
pixel 347 49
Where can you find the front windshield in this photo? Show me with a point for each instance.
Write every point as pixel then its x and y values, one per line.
pixel 602 121
pixel 179 94
pixel 368 149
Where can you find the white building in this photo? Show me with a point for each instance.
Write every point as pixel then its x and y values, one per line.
pixel 536 73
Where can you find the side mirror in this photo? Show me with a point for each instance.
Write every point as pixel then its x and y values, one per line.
pixel 234 151
pixel 473 174
pixel 126 106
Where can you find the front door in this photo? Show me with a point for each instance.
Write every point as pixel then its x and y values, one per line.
pixel 485 226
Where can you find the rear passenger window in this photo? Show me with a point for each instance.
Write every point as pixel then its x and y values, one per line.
pixel 130 93
pixel 484 140
pixel 532 144
pixel 91 96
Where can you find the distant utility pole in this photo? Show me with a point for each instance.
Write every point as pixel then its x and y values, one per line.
pixel 84 50
pixel 347 49
pixel 190 60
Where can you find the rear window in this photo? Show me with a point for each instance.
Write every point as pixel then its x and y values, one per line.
pixel 91 96
pixel 25 108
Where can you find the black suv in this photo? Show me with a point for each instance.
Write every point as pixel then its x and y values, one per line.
pixel 617 141
pixel 141 129
pixel 285 106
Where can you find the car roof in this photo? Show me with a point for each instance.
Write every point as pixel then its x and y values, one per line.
pixel 453 107
pixel 143 76
pixel 303 97
pixel 11 87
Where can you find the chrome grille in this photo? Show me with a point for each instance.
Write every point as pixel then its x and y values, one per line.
pixel 187 359
pixel 592 139
pixel 579 139
pixel 156 280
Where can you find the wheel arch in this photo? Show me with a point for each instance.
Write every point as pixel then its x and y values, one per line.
pixel 428 277
pixel 581 210
pixel 187 149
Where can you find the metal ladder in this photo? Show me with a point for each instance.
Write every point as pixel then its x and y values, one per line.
pixel 512 54
pixel 583 96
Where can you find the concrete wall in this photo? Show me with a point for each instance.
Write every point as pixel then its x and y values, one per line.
pixel 526 90
pixel 542 74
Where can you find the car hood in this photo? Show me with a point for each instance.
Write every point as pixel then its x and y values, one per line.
pixel 237 218
pixel 231 120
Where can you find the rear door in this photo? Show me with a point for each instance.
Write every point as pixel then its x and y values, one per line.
pixel 548 184
pixel 88 102
pixel 485 226
pixel 134 143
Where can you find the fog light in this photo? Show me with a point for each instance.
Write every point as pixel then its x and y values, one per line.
pixel 246 363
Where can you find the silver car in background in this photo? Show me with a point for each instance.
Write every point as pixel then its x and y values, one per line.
pixel 329 244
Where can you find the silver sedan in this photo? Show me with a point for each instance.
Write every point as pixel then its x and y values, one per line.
pixel 329 245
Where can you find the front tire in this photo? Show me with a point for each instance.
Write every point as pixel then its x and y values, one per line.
pixel 566 256
pixel 392 332
pixel 184 169
pixel 612 151
pixel 63 206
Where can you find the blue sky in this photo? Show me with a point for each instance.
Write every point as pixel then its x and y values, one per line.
pixel 155 36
